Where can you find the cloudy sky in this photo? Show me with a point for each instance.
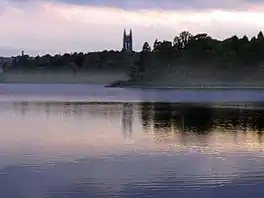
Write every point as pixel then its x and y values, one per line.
pixel 58 26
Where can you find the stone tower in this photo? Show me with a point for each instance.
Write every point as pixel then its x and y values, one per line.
pixel 127 42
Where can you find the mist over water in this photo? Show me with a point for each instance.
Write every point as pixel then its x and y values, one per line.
pixel 99 93
pixel 130 150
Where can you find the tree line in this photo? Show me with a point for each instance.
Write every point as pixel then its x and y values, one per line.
pixel 77 60
pixel 202 47
pixel 185 47
pixel 201 50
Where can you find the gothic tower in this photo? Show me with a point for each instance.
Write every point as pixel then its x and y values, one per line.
pixel 127 42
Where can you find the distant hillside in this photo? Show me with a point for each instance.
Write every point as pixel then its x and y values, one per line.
pixel 186 60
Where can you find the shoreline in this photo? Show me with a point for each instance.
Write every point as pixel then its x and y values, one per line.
pixel 119 79
pixel 149 87
pixel 127 84
pixel 195 87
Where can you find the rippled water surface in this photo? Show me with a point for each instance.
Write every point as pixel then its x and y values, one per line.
pixel 80 150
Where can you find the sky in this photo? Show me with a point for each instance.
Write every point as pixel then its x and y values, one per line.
pixel 59 26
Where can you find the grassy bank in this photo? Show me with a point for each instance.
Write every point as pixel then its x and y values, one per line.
pixel 62 76
pixel 177 77
pixel 189 77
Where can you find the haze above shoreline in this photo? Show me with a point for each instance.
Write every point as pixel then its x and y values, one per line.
pixel 189 61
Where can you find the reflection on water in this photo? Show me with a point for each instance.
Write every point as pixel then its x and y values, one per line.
pixel 127 119
pixel 202 121
pixel 79 150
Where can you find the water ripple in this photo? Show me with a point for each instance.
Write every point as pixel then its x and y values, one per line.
pixel 73 150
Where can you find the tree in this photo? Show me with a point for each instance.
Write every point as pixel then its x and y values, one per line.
pixel 177 44
pixel 165 46
pixel 78 59
pixel 156 45
pixel 244 40
pixel 201 46
pixel 185 37
pixel 202 36
pixel 146 47
pixel 244 50
pixel 260 36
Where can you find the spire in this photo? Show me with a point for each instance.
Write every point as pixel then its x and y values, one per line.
pixel 124 39
pixel 127 41
pixel 131 40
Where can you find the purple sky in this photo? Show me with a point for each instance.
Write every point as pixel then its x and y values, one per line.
pixel 58 26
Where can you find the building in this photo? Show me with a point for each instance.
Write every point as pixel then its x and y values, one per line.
pixel 127 42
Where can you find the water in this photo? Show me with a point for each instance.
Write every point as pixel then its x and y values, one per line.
pixel 92 93
pixel 80 149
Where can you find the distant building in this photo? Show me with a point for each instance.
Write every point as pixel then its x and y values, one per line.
pixel 21 59
pixel 127 42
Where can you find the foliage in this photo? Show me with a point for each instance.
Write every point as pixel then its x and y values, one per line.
pixel 199 48
pixel 203 47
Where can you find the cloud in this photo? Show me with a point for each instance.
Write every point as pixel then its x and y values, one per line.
pixel 164 4
pixel 39 26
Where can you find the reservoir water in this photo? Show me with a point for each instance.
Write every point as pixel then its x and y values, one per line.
pixel 66 142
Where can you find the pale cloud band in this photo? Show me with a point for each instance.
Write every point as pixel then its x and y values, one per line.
pixel 158 4
pixel 61 26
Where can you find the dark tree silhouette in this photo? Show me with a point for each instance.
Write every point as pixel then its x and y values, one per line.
pixel 232 53
pixel 146 47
